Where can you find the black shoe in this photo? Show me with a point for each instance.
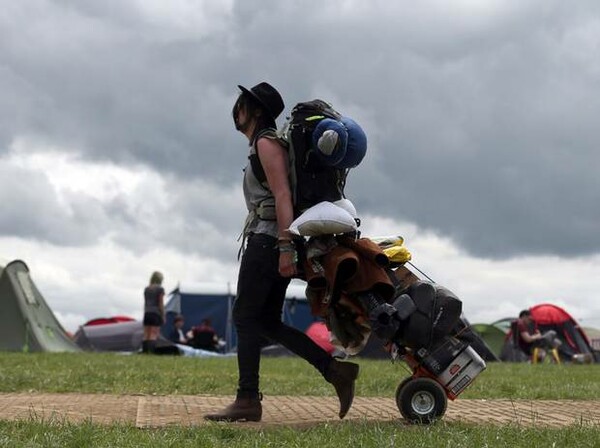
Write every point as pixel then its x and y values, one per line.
pixel 242 409
pixel 343 376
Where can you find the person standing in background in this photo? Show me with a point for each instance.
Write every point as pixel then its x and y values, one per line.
pixel 154 312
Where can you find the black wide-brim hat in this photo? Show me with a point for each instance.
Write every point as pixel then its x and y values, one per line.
pixel 267 96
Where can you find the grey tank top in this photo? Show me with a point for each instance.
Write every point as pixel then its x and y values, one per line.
pixel 151 295
pixel 258 197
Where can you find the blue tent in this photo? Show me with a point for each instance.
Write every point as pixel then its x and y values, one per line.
pixel 215 301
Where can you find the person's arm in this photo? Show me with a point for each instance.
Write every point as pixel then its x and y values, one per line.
pixel 274 160
pixel 529 338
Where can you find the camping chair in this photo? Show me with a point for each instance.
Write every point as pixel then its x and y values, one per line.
pixel 551 355
pixel 550 344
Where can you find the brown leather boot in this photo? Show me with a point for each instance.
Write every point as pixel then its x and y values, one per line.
pixel 343 375
pixel 246 409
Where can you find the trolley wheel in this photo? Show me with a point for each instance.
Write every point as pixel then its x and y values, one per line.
pixel 403 383
pixel 421 400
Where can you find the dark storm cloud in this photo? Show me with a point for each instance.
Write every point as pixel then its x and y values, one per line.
pixel 499 151
pixel 100 81
pixel 480 115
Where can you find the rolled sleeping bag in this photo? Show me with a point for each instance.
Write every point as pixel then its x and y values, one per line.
pixel 356 146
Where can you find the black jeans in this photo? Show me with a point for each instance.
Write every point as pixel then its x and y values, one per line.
pixel 257 314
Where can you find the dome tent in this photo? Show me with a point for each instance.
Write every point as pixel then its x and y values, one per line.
pixel 547 317
pixel 27 323
pixel 573 338
pixel 118 336
pixel 492 335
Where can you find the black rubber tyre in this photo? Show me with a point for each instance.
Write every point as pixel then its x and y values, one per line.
pixel 421 400
pixel 402 384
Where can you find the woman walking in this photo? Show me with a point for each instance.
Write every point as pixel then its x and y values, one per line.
pixel 269 261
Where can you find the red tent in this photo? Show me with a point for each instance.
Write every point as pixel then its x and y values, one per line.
pixel 108 320
pixel 546 314
pixel 551 317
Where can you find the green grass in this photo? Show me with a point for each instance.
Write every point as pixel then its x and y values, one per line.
pixel 345 434
pixel 119 374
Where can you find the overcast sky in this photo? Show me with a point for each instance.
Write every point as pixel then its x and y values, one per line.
pixel 118 154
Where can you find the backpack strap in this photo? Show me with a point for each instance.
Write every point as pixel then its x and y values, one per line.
pixel 257 167
pixel 266 209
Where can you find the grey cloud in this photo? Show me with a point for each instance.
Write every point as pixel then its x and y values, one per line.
pixel 32 210
pixel 192 221
pixel 196 219
pixel 480 122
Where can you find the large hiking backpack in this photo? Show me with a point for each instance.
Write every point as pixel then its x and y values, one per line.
pixel 313 176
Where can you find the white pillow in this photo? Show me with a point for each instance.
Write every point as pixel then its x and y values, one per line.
pixel 347 205
pixel 325 218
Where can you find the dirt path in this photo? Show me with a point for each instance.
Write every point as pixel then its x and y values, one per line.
pixel 146 411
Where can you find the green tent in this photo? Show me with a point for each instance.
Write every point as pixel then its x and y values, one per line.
pixel 504 324
pixel 492 335
pixel 26 322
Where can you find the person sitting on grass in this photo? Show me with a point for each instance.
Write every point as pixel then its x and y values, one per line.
pixel 177 335
pixel 204 336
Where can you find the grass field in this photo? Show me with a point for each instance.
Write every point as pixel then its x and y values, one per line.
pixel 133 374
